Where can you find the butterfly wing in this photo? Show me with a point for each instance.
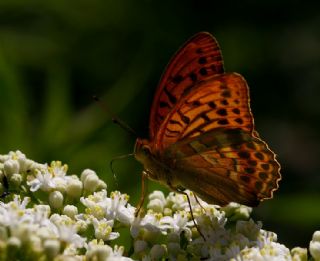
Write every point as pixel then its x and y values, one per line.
pixel 221 101
pixel 198 59
pixel 225 165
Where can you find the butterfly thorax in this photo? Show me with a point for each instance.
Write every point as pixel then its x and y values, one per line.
pixel 153 166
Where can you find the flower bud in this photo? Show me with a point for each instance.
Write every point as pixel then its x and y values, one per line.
pixel 16 179
pixel 156 205
pixel 56 199
pixel 74 188
pixel 299 254
pixel 14 244
pixel 51 248
pixel 70 211
pixel 11 167
pixel 157 252
pixel 86 173
pixel 91 183
pixel 314 246
pixel 140 245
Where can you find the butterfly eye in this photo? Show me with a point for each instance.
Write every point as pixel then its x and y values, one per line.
pixel 146 150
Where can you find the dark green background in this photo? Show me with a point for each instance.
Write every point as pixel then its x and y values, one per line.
pixel 54 55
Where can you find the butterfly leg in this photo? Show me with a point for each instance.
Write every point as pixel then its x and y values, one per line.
pixel 144 180
pixel 197 199
pixel 191 212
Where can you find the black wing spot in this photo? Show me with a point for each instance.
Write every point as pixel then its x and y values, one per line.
pixel 222 112
pixel 244 154
pixel 223 122
pixel 249 170
pixel 252 162
pixel 259 155
pixel 245 179
pixel 171 97
pixel 163 104
pixel 196 103
pixel 177 79
pixel 203 71
pixel 226 94
pixel 263 175
pixel 193 76
pixel 185 119
pixel 239 120
pixel 212 105
pixel 205 117
pixel 258 185
pixel 224 102
pixel 236 111
pixel 202 60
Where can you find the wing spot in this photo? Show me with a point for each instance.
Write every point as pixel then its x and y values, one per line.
pixel 259 155
pixel 236 101
pixel 171 97
pixel 252 162
pixel 263 175
pixel 205 117
pixel 196 103
pixel 270 185
pixel 177 79
pixel 245 179
pixel 258 185
pixel 236 111
pixel 163 104
pixel 265 166
pixel 244 154
pixel 193 76
pixel 175 122
pixel 249 170
pixel 224 102
pixel 185 119
pixel 239 120
pixel 226 94
pixel 202 60
pixel 223 122
pixel 187 90
pixel 212 105
pixel 203 71
pixel 222 112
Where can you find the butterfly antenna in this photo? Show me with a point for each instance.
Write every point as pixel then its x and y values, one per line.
pixel 115 119
pixel 111 165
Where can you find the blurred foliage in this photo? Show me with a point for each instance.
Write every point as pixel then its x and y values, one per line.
pixel 54 55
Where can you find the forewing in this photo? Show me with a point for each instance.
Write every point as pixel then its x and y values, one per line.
pixel 222 166
pixel 219 102
pixel 198 59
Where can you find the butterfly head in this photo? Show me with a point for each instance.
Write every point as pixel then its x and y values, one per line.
pixel 155 168
pixel 142 150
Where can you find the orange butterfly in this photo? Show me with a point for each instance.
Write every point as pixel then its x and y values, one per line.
pixel 202 134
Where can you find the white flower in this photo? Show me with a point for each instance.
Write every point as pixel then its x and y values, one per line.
pixel 43 180
pixel 178 223
pixel 103 229
pixel 314 246
pixel 68 234
pixel 14 212
pixel 151 222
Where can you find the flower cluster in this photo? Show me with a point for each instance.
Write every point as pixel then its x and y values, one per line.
pixel 46 214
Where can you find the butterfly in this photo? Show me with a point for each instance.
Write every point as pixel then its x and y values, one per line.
pixel 202 134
